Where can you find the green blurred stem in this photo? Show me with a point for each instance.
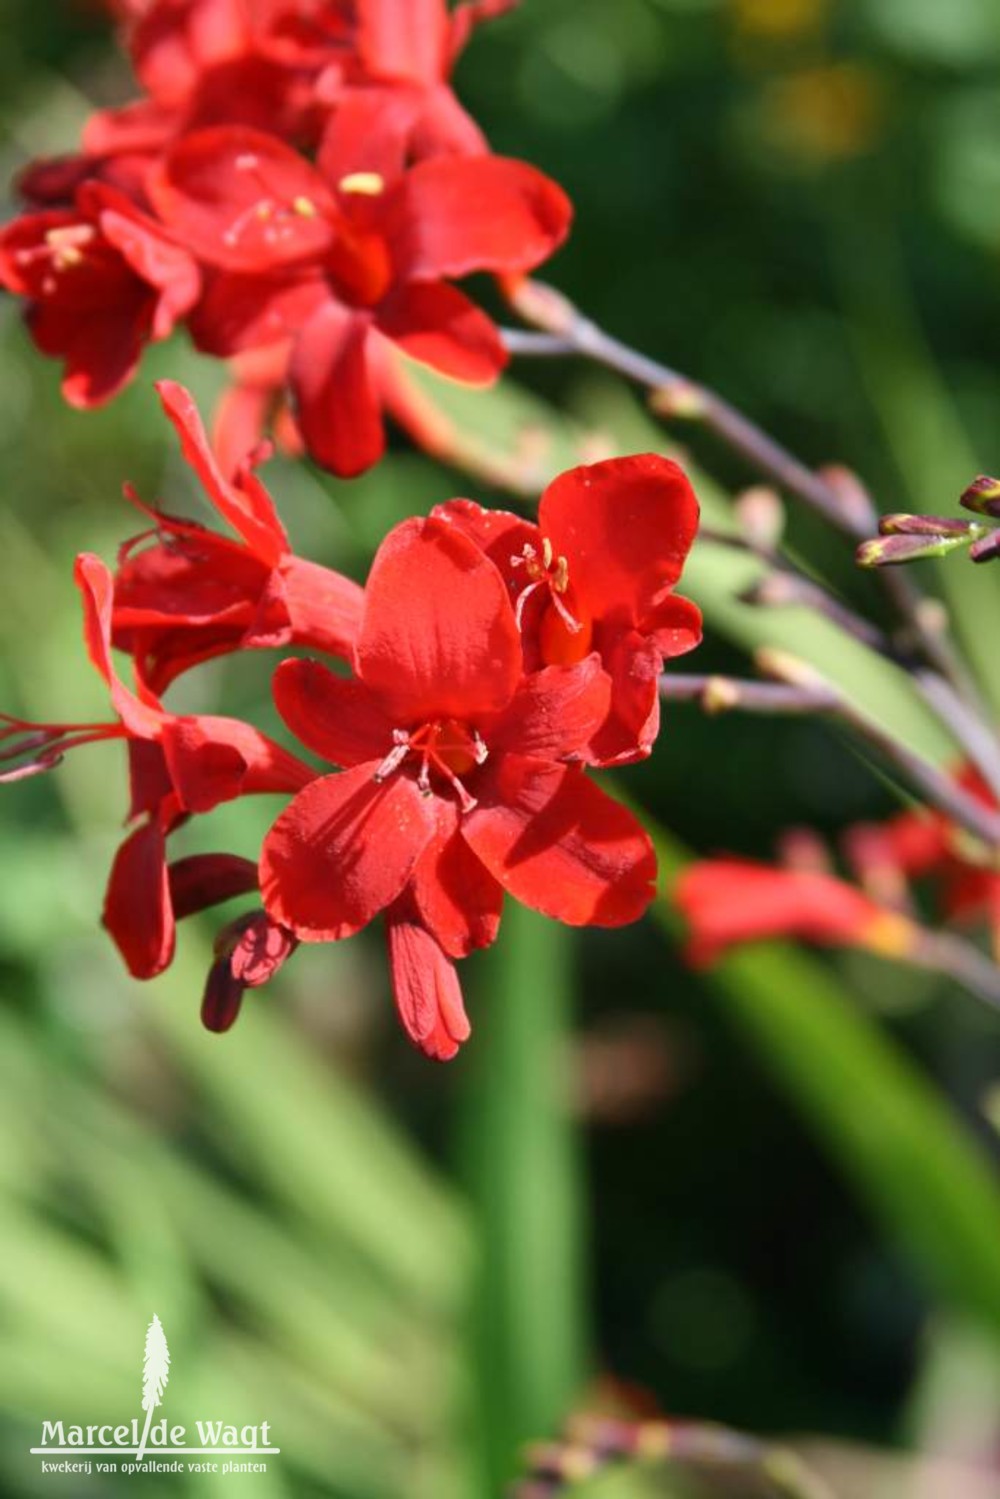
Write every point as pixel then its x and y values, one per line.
pixel 524 1174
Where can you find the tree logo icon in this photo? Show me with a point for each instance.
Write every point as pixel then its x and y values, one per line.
pixel 155 1373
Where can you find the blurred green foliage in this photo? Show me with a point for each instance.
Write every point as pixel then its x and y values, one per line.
pixel 768 1200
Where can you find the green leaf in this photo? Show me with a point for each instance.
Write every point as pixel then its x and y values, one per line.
pixel 922 1174
pixel 524 1177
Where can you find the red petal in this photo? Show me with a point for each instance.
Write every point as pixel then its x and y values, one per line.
pixel 213 760
pixel 675 626
pixel 205 880
pixel 438 638
pixel 243 200
pixel 458 900
pixel 141 716
pixel 633 665
pixel 405 39
pixel 137 910
pixel 145 248
pixel 482 213
pixel 557 843
pixel 727 902
pixel 245 504
pixel 325 608
pixel 342 852
pixel 240 312
pixel 625 526
pixel 426 988
pixel 368 132
pixel 440 327
pixel 338 720
pixel 337 406
pixel 555 712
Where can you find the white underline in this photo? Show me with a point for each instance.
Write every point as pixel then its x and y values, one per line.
pixel 152 1451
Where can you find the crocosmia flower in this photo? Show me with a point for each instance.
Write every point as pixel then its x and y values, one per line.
pixel 344 263
pixel 461 781
pixel 101 280
pixel 597 574
pixel 184 594
pixel 178 765
pixel 730 902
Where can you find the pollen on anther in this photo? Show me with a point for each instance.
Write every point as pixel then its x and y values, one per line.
pixel 367 184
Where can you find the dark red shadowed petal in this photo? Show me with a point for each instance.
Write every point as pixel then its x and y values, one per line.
pixel 245 504
pixel 555 712
pixel 338 720
pixel 249 952
pixel 633 665
pixel 137 910
pixel 438 638
pixel 439 326
pixel 727 902
pixel 404 39
pixel 342 852
pixel 242 200
pixel 457 899
pixel 145 248
pixel 426 988
pixel 205 880
pixel 625 526
pixel 477 213
pixel 336 403
pixel 557 843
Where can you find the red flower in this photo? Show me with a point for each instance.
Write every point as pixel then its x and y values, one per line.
pixel 597 574
pixel 728 902
pixel 102 279
pixel 194 594
pixel 342 263
pixel 178 765
pixel 458 782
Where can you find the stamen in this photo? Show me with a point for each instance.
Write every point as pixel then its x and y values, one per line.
pixel 367 184
pixel 395 757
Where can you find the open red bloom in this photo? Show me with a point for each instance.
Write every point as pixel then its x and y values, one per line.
pixel 597 574
pixel 178 765
pixel 102 279
pixel 728 902
pixel 193 594
pixel 460 782
pixel 342 262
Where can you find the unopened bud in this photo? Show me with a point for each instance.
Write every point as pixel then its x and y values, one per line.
pixel 782 666
pixel 761 517
pixel 893 551
pixel 720 695
pixel 986 549
pixel 678 400
pixel 854 500
pixel 982 496
pixel 928 525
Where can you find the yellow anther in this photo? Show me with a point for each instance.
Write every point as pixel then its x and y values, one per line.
pixel 369 184
pixel 560 578
pixel 546 553
pixel 305 208
pixel 65 244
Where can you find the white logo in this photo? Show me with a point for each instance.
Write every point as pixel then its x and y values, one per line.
pixel 84 1449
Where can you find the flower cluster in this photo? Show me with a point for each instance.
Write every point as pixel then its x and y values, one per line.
pixel 728 902
pixel 458 704
pixel 298 185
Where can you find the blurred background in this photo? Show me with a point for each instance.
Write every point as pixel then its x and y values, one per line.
pixel 767 1197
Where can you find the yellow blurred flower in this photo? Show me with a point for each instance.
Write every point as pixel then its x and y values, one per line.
pixel 826 113
pixel 780 20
